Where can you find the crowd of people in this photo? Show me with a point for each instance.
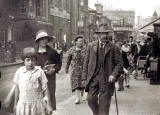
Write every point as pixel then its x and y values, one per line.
pixel 94 69
pixel 132 53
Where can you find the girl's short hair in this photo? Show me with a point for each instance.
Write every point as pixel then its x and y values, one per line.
pixel 29 52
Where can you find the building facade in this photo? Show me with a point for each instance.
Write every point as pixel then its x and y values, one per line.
pixel 69 18
pixel 60 19
pixel 79 17
pixel 21 20
pixel 123 23
pixel 95 18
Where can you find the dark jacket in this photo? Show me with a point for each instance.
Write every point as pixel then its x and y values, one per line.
pixel 50 57
pixel 145 50
pixel 112 63
pixel 125 60
pixel 134 49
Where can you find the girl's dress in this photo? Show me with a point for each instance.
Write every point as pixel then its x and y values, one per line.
pixel 31 85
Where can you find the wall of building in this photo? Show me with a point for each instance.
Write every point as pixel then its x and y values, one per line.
pixel 21 22
pixel 60 20
pixel 128 16
pixel 58 17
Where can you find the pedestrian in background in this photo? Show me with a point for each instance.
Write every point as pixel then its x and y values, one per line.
pixel 125 51
pixel 121 77
pixel 102 65
pixel 154 58
pixel 75 59
pixel 135 51
pixel 50 61
pixel 31 89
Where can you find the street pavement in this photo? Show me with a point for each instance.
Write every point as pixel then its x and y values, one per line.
pixel 140 99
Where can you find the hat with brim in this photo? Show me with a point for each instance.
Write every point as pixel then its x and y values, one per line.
pixel 43 34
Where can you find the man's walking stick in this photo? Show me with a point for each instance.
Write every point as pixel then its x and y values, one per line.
pixel 116 101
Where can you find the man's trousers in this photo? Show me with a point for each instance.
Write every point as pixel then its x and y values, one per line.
pixel 99 98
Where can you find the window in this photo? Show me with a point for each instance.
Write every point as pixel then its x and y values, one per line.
pixel 59 4
pixel 38 7
pixel 82 3
pixel 23 6
pixel 41 7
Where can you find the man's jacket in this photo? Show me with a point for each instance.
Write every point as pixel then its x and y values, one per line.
pixel 112 62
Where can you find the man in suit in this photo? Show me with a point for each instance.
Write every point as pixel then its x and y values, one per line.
pixel 102 65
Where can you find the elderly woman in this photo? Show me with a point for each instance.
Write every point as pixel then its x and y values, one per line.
pixel 76 59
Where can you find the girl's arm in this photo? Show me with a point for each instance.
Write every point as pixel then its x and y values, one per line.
pixel 47 95
pixel 47 98
pixel 45 90
pixel 16 97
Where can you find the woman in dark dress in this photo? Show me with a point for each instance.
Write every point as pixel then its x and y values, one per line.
pixel 76 59
pixel 48 58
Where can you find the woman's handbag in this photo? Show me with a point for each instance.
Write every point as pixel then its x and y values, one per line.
pixel 49 69
pixel 9 101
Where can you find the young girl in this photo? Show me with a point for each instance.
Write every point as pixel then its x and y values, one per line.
pixel 31 93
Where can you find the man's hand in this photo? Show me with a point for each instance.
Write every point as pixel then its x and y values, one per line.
pixel 111 79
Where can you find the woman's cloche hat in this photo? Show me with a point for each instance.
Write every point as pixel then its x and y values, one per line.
pixel 43 34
